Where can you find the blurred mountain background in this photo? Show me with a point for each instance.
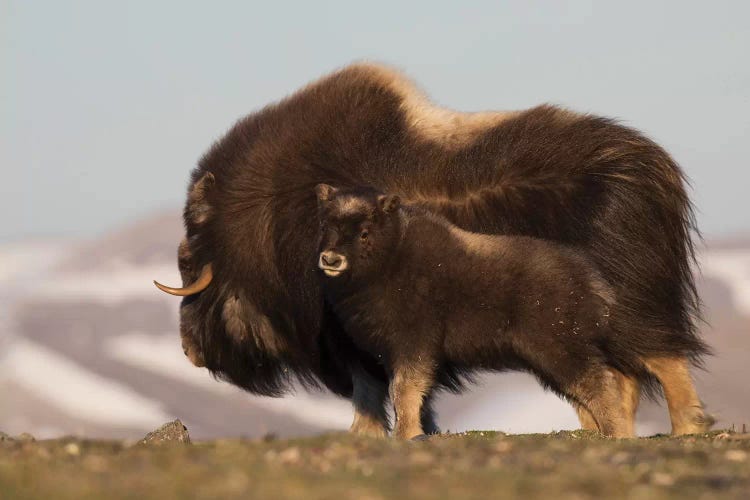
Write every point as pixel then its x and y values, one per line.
pixel 88 346
pixel 106 106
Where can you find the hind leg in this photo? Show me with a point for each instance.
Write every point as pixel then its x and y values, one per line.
pixel 605 396
pixel 428 416
pixel 685 409
pixel 585 418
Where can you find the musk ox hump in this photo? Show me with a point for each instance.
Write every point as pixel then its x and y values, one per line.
pixel 429 122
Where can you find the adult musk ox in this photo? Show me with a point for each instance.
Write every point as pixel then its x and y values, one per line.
pixel 253 311
pixel 424 296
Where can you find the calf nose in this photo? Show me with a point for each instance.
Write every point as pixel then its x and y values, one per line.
pixel 331 259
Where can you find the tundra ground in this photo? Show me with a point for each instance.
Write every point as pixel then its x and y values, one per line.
pixel 472 465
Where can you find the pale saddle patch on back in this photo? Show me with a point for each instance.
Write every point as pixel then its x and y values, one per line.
pixel 478 243
pixel 428 121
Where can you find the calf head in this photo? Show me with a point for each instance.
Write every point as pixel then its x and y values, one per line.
pixel 359 229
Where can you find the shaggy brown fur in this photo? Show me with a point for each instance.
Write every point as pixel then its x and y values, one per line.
pixel 424 296
pixel 577 179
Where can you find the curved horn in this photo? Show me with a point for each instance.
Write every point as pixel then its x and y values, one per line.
pixel 197 286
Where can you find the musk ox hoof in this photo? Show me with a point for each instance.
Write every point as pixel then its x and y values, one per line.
pixel 421 437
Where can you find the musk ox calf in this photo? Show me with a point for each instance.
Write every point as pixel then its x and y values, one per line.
pixel 423 296
pixel 253 311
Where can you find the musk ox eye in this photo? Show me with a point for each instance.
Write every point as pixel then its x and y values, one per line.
pixel 364 235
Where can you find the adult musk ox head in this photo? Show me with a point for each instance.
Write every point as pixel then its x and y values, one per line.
pixel 253 311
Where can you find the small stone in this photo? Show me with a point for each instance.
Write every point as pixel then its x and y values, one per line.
pixel 290 456
pixel 268 437
pixel 26 438
pixel 421 458
pixel 736 455
pixel 662 479
pixel 620 457
pixel 172 432
pixel 503 446
pixel 72 449
pixel 95 463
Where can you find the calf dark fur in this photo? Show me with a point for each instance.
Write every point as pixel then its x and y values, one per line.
pixel 581 180
pixel 424 296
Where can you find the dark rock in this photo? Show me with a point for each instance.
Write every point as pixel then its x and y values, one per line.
pixel 5 437
pixel 172 432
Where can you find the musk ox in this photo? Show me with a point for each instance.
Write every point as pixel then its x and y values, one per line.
pixel 422 295
pixel 253 311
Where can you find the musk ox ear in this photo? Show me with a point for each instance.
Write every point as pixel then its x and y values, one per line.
pixel 198 210
pixel 325 192
pixel 388 202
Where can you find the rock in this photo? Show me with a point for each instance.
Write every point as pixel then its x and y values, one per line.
pixel 26 438
pixel 736 455
pixel 72 449
pixel 290 456
pixel 5 437
pixel 172 432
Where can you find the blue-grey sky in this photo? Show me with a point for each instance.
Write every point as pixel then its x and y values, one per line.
pixel 106 106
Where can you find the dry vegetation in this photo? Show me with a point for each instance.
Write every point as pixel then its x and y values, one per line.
pixel 473 465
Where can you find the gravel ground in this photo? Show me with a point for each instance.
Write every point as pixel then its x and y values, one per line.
pixel 472 465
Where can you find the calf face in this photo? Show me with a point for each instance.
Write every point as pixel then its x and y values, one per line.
pixel 357 230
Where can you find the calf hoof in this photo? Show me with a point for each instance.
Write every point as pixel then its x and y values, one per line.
pixel 421 437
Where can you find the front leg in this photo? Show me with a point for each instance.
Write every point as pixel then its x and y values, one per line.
pixel 369 398
pixel 412 381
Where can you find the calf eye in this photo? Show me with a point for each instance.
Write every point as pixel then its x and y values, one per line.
pixel 364 234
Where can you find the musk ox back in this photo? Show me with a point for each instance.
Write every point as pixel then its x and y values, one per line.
pixel 546 172
pixel 423 296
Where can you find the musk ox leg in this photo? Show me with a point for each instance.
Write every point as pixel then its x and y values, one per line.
pixel 428 417
pixel 603 393
pixel 630 391
pixel 588 423
pixel 410 385
pixel 369 398
pixel 685 409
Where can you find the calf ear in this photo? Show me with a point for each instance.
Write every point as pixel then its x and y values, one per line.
pixel 325 192
pixel 388 202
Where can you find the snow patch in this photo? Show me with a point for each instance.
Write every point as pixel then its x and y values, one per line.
pixel 120 283
pixel 17 259
pixel 75 390
pixel 163 355
pixel 733 268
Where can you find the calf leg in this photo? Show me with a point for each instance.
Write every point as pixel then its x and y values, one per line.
pixel 369 398
pixel 410 384
pixel 685 409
